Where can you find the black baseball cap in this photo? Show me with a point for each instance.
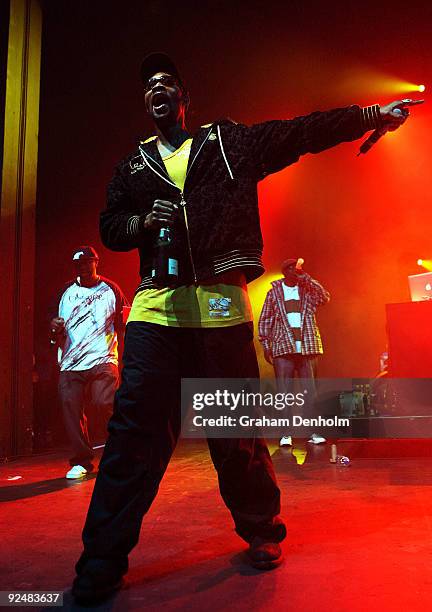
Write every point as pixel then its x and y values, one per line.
pixel 84 252
pixel 158 62
pixel 287 264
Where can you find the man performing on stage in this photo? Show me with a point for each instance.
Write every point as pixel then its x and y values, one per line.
pixel 86 328
pixel 196 195
pixel 289 333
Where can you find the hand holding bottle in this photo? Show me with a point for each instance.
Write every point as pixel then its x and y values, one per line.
pixel 163 214
pixel 57 329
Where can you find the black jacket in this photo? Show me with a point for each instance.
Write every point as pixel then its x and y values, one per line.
pixel 220 228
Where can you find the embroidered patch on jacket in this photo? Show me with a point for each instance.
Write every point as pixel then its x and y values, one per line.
pixel 219 307
pixel 136 164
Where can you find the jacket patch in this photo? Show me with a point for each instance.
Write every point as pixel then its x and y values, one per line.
pixel 136 164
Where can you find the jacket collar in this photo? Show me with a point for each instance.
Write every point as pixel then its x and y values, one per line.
pixel 150 144
pixel 151 150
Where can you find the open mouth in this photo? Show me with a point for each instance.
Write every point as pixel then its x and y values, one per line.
pixel 160 102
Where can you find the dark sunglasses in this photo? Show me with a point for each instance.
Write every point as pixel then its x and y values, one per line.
pixel 166 79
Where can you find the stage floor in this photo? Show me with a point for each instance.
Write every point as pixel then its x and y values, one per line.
pixel 359 538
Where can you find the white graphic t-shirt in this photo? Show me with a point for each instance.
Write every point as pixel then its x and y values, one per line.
pixel 89 314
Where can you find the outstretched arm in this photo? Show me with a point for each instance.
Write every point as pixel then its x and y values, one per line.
pixel 273 145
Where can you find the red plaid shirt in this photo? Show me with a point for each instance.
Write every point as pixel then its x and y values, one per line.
pixel 275 333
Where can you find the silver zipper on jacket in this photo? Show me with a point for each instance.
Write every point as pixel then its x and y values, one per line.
pixel 183 205
pixel 182 200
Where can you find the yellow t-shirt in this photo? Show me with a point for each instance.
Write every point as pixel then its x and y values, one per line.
pixel 224 301
pixel 176 163
pixel 215 305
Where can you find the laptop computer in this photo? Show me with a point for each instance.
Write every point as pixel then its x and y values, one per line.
pixel 420 286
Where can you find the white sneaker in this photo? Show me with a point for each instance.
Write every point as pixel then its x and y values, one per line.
pixel 78 471
pixel 317 439
pixel 285 441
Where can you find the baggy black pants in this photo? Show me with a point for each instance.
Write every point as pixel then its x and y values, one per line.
pixel 97 385
pixel 143 432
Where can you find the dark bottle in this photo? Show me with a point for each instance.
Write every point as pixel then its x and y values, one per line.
pixel 165 263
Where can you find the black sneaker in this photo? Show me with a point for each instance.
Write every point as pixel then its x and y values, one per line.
pixel 96 582
pixel 264 555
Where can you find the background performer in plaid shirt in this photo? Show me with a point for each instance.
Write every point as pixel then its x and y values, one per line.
pixel 288 330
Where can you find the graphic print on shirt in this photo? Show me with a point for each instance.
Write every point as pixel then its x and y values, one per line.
pixel 89 314
pixel 219 307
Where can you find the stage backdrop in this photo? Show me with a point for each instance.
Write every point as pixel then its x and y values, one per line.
pixel 359 223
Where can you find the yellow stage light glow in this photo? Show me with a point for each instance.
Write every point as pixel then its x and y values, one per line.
pixel 425 263
pixel 258 291
pixel 410 87
pixel 363 79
